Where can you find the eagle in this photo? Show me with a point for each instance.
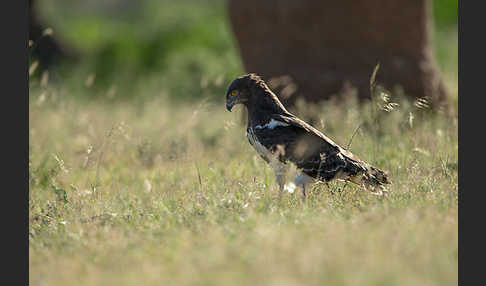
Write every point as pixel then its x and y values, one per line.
pixel 280 138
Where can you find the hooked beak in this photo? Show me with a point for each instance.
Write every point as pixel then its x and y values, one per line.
pixel 229 106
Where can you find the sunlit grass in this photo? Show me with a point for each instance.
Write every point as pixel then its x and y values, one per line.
pixel 155 189
pixel 161 193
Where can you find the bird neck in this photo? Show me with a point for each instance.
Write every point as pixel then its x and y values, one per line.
pixel 262 104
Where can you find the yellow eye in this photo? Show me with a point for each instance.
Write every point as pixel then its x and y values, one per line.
pixel 234 93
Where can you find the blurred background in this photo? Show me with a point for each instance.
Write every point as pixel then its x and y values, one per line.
pixel 138 175
pixel 192 49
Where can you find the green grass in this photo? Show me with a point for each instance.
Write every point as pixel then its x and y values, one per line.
pixel 162 187
pixel 161 193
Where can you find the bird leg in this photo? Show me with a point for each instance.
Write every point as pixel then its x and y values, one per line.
pixel 302 180
pixel 281 184
pixel 280 171
pixel 303 193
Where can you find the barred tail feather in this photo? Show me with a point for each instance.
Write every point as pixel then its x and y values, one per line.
pixel 373 179
pixel 378 176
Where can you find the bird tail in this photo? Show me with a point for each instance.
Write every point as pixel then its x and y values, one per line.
pixel 373 179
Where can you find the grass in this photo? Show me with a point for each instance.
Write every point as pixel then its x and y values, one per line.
pixel 161 193
pixel 162 187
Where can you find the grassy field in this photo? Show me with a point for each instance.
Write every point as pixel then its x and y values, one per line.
pixel 172 194
pixel 162 188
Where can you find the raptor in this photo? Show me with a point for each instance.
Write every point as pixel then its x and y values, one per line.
pixel 280 138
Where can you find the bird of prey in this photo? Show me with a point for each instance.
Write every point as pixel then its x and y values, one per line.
pixel 280 138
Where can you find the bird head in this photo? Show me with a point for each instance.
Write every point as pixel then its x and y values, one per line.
pixel 252 91
pixel 239 91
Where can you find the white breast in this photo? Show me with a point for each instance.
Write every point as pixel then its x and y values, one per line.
pixel 256 144
pixel 272 159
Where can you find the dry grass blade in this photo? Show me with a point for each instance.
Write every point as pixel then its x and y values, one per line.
pixel 373 77
pixel 33 67
pixel 354 134
pixel 48 32
pixel 104 145
pixel 198 176
pixel 422 103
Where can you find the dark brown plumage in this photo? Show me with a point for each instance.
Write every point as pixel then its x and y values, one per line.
pixel 280 137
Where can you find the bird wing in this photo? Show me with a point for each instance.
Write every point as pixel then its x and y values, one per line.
pixel 309 149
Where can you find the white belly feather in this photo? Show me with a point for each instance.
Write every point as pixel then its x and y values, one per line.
pixel 257 145
pixel 264 152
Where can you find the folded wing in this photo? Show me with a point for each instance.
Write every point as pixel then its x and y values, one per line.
pixel 311 151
